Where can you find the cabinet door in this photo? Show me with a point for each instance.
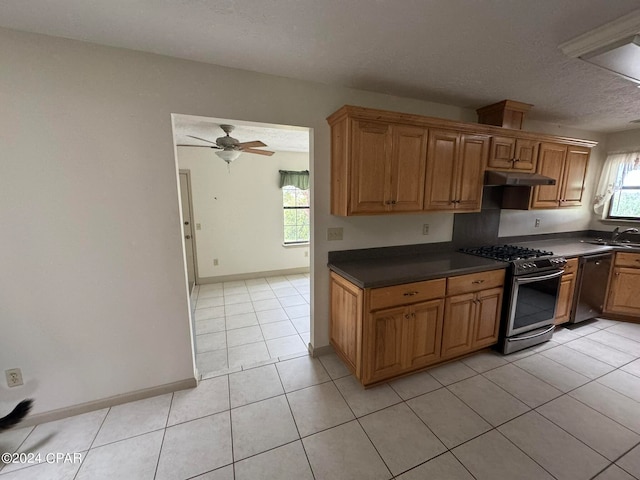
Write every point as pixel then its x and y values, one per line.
pixel 623 291
pixel 408 160
pixel 442 154
pixel 526 156
pixel 474 150
pixel 370 167
pixel 502 153
pixel 383 343
pixel 487 318
pixel 423 333
pixel 565 298
pixel 457 328
pixel 345 320
pixel 575 170
pixel 551 164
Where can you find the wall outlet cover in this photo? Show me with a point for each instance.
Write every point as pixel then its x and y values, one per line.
pixel 14 377
pixel 335 233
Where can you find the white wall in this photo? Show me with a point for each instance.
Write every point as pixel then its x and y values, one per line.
pixel 240 212
pixel 93 298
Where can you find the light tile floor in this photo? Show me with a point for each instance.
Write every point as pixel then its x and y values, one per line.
pixel 242 323
pixel 567 409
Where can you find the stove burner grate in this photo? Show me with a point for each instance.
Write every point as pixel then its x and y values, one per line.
pixel 506 253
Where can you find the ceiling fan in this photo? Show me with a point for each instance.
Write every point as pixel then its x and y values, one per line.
pixel 230 148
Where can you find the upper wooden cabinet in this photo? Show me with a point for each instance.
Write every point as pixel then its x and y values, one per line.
pixel 510 153
pixel 455 168
pixel 568 165
pixel 387 162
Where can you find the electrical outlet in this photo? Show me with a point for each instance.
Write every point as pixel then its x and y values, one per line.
pixel 334 233
pixel 14 377
pixel 537 224
pixel 198 226
pixel 215 262
pixel 306 253
pixel 425 229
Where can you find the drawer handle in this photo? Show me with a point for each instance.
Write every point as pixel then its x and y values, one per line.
pixel 410 294
pixel 478 281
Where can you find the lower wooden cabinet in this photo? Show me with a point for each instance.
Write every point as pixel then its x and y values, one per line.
pixel 402 338
pixel 385 332
pixel 472 321
pixel 624 286
pixel 567 290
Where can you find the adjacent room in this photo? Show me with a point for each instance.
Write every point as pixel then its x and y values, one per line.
pixel 246 207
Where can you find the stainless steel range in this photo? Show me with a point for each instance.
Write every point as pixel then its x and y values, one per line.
pixel 531 294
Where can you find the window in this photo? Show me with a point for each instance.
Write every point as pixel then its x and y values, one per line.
pixel 296 215
pixel 625 201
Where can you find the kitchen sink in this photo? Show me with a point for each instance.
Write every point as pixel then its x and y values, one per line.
pixel 607 243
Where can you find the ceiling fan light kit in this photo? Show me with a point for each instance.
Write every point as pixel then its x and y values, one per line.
pixel 614 46
pixel 228 155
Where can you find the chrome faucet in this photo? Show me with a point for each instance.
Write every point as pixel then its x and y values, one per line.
pixel 616 234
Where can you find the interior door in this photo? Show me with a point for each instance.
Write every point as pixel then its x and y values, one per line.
pixel 187 230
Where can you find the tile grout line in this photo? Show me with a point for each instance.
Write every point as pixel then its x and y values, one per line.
pixel 164 433
pixel 295 423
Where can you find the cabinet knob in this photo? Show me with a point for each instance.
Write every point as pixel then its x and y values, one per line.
pixel 410 294
pixel 393 202
pixel 478 281
pixel 407 316
pixel 617 274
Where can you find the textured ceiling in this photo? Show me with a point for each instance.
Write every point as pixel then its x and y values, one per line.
pixel 468 53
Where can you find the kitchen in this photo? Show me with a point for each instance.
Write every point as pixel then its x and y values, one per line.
pixel 381 321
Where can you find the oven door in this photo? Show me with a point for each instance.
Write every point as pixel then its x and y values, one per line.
pixel 533 301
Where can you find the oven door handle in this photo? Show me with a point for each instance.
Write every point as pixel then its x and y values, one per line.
pixel 523 280
pixel 539 334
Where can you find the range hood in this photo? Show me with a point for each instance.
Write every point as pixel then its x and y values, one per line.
pixel 516 178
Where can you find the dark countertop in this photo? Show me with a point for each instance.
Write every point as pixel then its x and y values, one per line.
pixel 396 270
pixel 574 247
pixel 417 263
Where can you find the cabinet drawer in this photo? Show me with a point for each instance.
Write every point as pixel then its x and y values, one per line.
pixel 406 293
pixel 624 259
pixel 475 282
pixel 571 266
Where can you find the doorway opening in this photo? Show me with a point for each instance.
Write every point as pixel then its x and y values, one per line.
pixel 249 225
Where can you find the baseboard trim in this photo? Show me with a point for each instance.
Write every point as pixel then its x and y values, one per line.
pixel 61 413
pixel 318 351
pixel 246 276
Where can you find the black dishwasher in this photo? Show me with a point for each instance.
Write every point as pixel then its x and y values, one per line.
pixel 591 286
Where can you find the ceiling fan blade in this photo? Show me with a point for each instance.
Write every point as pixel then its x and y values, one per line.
pixel 203 139
pixel 255 143
pixel 259 152
pixel 197 146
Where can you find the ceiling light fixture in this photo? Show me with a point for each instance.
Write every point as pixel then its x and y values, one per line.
pixel 614 46
pixel 228 155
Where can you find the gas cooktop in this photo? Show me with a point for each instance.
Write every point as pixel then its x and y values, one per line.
pixel 506 253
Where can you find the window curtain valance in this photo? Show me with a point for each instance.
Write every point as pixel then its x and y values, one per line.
pixel 615 168
pixel 295 179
